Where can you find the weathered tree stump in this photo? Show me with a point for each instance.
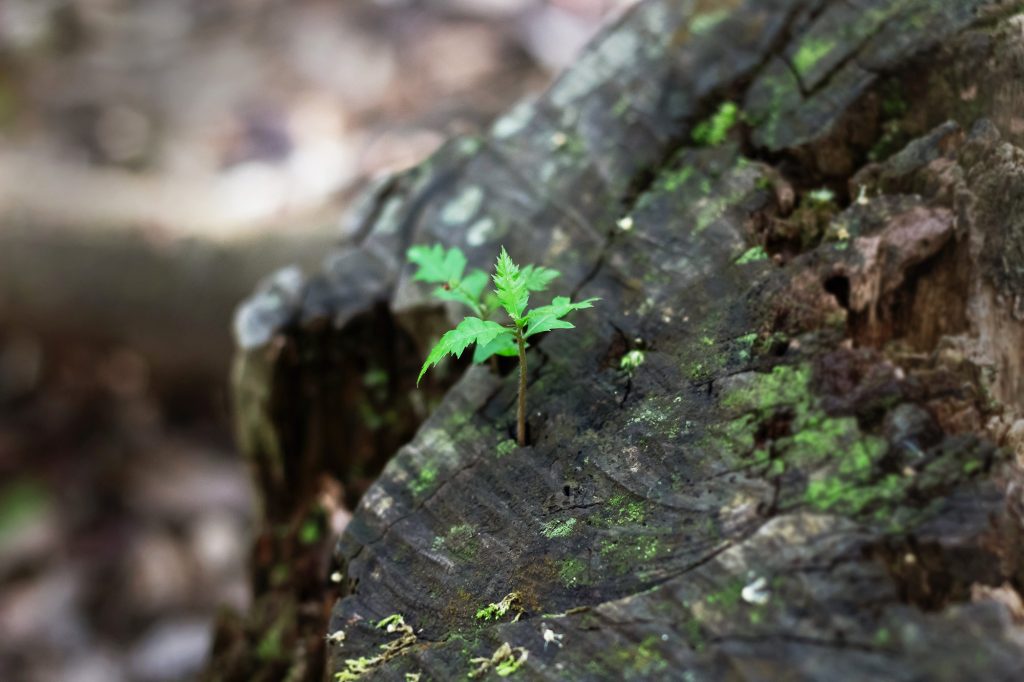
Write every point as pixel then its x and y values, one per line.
pixel 810 475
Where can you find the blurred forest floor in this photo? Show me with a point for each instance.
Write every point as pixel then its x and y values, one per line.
pixel 134 134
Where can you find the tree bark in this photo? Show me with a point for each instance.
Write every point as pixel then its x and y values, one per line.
pixel 811 474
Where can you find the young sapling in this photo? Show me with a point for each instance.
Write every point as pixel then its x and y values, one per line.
pixel 512 287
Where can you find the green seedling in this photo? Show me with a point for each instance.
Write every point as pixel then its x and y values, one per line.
pixel 505 661
pixel 496 610
pixel 821 196
pixel 512 287
pixel 631 360
pixel 356 668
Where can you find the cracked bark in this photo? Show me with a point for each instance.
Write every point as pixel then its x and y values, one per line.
pixel 810 475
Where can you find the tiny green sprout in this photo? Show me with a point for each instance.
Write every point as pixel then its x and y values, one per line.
pixel 391 623
pixel 505 447
pixel 505 661
pixel 751 255
pixel 821 196
pixel 510 664
pixel 496 610
pixel 512 287
pixel 355 668
pixel 631 360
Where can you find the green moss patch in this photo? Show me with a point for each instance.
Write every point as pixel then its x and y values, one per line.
pixel 713 131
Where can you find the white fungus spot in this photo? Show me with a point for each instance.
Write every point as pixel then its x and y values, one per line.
pixel 756 592
pixel 862 195
pixel 479 231
pixel 464 206
pixel 551 637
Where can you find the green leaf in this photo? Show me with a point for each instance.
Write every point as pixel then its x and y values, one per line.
pixel 470 330
pixel 436 264
pixel 753 254
pixel 538 278
pixel 548 317
pixel 511 285
pixel 502 344
pixel 467 292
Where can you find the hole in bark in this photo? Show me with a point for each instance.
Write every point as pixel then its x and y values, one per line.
pixel 930 303
pixel 930 576
pixel 619 346
pixel 345 401
pixel 839 287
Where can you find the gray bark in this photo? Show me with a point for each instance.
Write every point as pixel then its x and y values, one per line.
pixel 809 477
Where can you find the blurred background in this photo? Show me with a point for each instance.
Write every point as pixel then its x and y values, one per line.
pixel 157 158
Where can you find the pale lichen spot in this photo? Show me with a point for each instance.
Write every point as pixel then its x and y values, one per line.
pixel 514 121
pixel 548 172
pixel 463 206
pixel 480 231
pixel 389 216
pixel 378 501
pixel 596 67
pixel 469 145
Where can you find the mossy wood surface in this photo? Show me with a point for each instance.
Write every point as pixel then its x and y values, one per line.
pixel 801 474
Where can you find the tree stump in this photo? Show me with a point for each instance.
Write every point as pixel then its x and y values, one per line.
pixel 808 218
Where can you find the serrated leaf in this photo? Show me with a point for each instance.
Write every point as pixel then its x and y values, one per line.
pixel 548 317
pixel 435 264
pixel 510 284
pixel 470 330
pixel 503 344
pixel 538 278
pixel 467 292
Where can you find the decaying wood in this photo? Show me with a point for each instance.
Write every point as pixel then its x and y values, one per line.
pixel 811 474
